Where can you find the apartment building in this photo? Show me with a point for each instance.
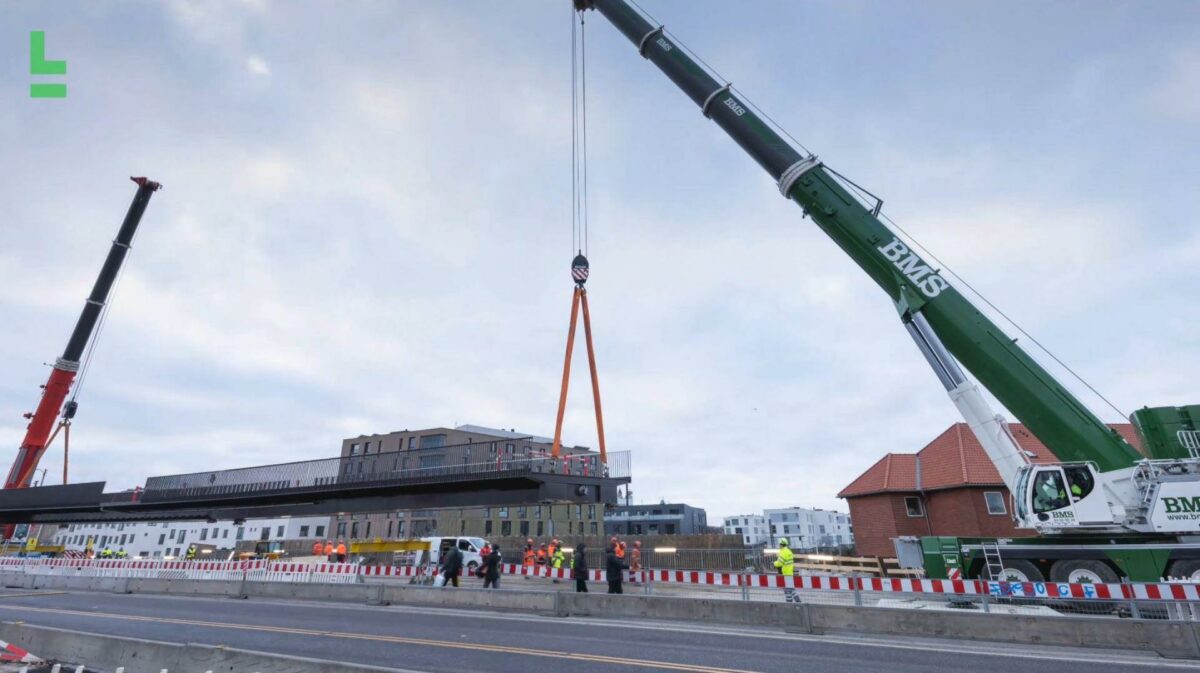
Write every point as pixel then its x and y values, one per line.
pixel 170 539
pixel 754 529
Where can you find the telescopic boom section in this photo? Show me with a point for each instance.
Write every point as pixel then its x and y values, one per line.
pixel 1056 417
pixel 65 368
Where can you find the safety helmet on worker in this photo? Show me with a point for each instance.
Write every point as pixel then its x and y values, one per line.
pixel 783 542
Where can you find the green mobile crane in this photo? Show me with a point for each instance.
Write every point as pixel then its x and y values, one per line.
pixel 1107 510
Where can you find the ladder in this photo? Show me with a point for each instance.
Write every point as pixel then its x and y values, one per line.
pixel 993 562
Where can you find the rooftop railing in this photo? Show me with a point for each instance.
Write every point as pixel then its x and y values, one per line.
pixel 482 460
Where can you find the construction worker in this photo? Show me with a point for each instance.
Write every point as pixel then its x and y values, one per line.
pixel 614 568
pixel 579 568
pixel 106 553
pixel 318 548
pixel 621 550
pixel 635 561
pixel 556 561
pixel 541 556
pixel 527 559
pixel 121 553
pixel 491 568
pixel 328 551
pixel 191 552
pixel 784 563
pixel 341 551
pixel 553 547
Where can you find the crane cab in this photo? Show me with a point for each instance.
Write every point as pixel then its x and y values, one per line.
pixel 1061 496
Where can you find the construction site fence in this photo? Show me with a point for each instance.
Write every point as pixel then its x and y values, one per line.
pixel 1161 600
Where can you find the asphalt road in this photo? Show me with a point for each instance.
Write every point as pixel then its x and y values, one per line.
pixel 429 639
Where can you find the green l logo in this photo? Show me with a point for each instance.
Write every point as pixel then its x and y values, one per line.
pixel 38 65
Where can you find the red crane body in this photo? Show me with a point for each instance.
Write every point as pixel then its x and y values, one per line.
pixel 65 368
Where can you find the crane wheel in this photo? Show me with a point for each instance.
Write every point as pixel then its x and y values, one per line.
pixel 1083 572
pixel 1016 570
pixel 1186 569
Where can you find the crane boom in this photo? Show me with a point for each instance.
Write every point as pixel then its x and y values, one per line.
pixel 63 374
pixel 1030 392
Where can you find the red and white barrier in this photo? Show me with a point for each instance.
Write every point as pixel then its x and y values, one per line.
pixel 262 570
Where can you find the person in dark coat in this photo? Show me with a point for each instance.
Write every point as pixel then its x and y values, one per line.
pixel 491 568
pixel 613 569
pixel 452 566
pixel 579 568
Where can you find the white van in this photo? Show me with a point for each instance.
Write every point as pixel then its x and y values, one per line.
pixel 469 546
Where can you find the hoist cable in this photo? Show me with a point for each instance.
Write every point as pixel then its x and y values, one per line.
pixel 583 121
pixel 574 139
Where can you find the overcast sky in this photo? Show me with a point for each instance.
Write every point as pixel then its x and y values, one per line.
pixel 366 225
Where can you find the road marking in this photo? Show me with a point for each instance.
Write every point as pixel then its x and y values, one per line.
pixel 40 593
pixel 554 654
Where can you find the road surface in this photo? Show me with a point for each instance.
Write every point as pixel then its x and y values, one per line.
pixel 435 639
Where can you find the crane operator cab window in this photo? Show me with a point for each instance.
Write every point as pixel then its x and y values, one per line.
pixel 1049 491
pixel 1079 481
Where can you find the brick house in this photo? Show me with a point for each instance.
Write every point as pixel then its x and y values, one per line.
pixel 947 488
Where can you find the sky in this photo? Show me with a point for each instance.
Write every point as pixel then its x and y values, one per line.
pixel 366 225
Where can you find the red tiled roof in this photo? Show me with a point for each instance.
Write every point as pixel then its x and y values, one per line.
pixel 953 458
pixel 893 472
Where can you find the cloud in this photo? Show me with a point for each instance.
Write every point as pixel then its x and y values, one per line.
pixel 380 241
pixel 257 66
pixel 1177 94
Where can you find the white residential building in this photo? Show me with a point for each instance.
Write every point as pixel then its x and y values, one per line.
pixel 752 527
pixel 170 539
pixel 810 528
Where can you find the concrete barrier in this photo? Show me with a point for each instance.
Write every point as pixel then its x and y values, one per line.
pixel 137 655
pixel 526 601
pixel 755 613
pixel 184 587
pixel 1169 639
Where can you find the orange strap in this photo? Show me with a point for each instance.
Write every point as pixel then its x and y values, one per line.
pixel 579 297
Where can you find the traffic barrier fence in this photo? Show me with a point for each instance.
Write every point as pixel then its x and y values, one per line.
pixel 1165 600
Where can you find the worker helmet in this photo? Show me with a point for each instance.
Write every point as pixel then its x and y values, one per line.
pixel 529 541
pixel 783 542
pixel 637 543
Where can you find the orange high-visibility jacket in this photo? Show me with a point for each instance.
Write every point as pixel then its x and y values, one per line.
pixel 341 548
pixel 328 548
pixel 528 558
pixel 317 549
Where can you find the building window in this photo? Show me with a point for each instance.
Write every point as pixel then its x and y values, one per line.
pixel 203 533
pixel 320 531
pixel 524 529
pixel 591 511
pixel 432 461
pixel 341 529
pixel 508 448
pixel 487 527
pixel 433 441
pixel 505 528
pixel 162 538
pixel 492 448
pixel 353 529
pixel 913 504
pixel 399 528
pixel 540 530
pixel 303 531
pixel 594 528
pixel 578 511
pixel 521 511
pixel 537 512
pixel 504 514
pixel 995 502
pixel 487 512
pixel 367 532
